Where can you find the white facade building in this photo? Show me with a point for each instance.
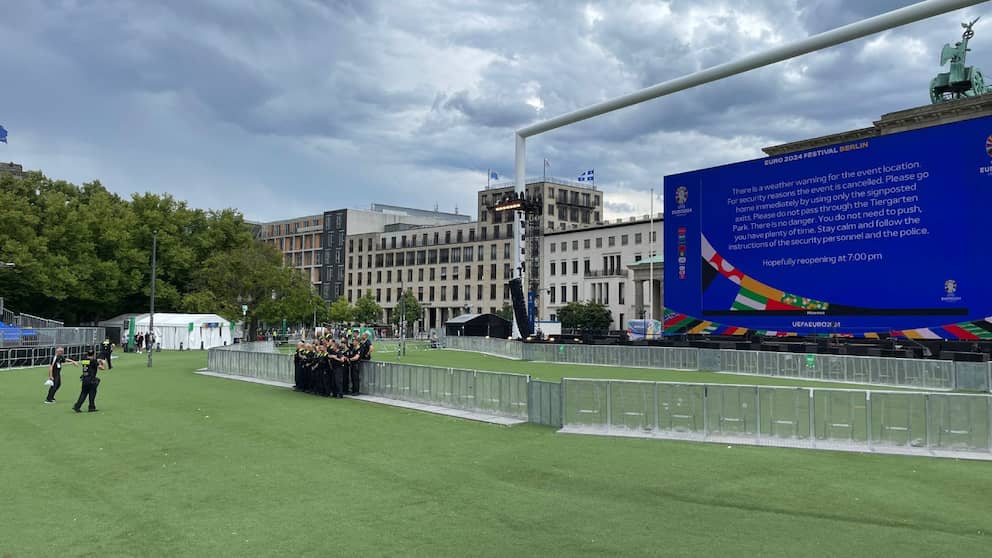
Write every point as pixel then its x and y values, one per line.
pixel 591 264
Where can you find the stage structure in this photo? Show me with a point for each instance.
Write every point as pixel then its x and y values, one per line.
pixel 883 22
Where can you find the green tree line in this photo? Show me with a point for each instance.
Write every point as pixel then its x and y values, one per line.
pixel 83 254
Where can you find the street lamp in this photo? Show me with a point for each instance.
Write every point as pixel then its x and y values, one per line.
pixel 151 313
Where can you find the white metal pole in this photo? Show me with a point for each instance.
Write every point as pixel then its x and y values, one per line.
pixel 840 35
pixel 651 263
pixel 520 186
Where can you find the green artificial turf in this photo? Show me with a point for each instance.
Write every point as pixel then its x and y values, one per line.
pixel 177 464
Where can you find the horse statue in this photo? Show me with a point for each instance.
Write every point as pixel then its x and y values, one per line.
pixel 961 81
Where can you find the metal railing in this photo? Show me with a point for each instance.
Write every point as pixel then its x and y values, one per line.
pixel 471 390
pixel 880 371
pixel 16 337
pixel 938 424
pixel 256 360
pixel 23 357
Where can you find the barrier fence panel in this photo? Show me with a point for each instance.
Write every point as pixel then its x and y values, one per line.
pixel 971 376
pixel 243 361
pixel 471 390
pixel 927 374
pixel 923 423
pixel 544 403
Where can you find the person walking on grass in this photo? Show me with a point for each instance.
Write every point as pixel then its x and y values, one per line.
pixel 91 365
pixel 55 373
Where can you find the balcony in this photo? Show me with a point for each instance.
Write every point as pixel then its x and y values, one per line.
pixel 600 273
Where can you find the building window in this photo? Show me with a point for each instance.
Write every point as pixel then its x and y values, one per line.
pixel 478 291
pixel 492 252
pixel 585 266
pixel 444 272
pixel 509 230
pixel 431 292
pixel 551 293
pixel 378 295
pixel 575 245
pixel 575 292
pixel 420 294
pixel 564 294
pixel 420 274
pixel 552 248
pixel 564 247
pixel 444 293
pixel 454 292
pixel 620 297
pixel 552 268
pixel 575 267
pixel 506 250
pixel 481 269
pixel 506 271
pixel 492 292
pixel 506 292
pixel 432 274
pixel 624 239
pixel 492 272
pixel 468 272
pixel 611 241
pixel 378 277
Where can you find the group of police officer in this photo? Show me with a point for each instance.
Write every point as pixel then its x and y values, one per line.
pixel 331 367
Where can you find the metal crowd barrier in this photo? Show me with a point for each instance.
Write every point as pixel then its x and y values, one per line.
pixel 252 360
pixel 928 374
pixel 11 337
pixel 881 371
pixel 22 357
pixel 942 424
pixel 471 390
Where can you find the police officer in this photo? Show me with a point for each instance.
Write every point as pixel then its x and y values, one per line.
pixel 324 364
pixel 352 356
pixel 89 381
pixel 55 373
pixel 309 362
pixel 106 348
pixel 298 367
pixel 337 361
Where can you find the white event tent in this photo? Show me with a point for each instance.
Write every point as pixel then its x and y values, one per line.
pixel 188 329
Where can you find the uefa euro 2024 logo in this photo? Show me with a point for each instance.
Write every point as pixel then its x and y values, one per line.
pixel 681 196
pixel 951 291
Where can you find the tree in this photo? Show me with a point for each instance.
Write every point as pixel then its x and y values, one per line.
pixel 341 311
pixel 367 310
pixel 592 316
pixel 407 307
pixel 506 312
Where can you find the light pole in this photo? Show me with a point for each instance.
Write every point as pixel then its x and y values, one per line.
pixel 151 313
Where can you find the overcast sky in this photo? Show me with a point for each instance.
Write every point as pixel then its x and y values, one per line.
pixel 288 107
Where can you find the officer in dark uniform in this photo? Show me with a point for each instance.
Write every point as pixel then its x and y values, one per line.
pixel 106 348
pixel 352 356
pixel 89 381
pixel 309 366
pixel 337 370
pixel 323 368
pixel 298 367
pixel 55 373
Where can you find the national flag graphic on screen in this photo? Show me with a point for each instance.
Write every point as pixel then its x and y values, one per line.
pixel 3 134
pixel 988 146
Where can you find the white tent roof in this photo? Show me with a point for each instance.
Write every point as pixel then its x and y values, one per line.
pixel 116 321
pixel 180 320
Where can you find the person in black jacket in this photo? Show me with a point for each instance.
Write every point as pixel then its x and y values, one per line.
pixel 106 349
pixel 298 367
pixel 91 365
pixel 55 373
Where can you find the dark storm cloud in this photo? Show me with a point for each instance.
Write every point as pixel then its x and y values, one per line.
pixel 284 108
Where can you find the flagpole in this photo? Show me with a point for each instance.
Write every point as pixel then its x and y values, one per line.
pixel 651 264
pixel 489 174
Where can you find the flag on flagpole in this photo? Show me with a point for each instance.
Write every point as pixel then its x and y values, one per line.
pixel 493 175
pixel 588 176
pixel 3 134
